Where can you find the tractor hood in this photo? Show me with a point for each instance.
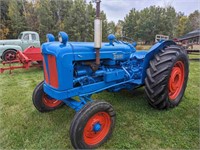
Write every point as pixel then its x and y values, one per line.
pixel 86 50
pixel 11 42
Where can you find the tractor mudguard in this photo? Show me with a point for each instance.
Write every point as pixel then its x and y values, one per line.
pixel 151 52
pixel 9 47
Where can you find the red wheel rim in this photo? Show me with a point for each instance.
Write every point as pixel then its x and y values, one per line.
pixel 176 80
pixel 10 56
pixel 97 128
pixel 50 102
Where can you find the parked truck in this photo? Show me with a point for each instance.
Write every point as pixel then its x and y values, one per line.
pixel 9 48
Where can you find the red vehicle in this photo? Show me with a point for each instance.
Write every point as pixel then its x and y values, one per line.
pixel 25 58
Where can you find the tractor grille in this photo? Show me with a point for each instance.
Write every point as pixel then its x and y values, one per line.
pixel 50 71
pixel 45 72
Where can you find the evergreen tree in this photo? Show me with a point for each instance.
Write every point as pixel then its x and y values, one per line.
pixel 76 17
pixel 182 26
pixel 90 16
pixel 104 27
pixel 17 19
pixel 111 27
pixel 76 21
pixel 119 29
pixel 45 18
pixel 131 24
pixel 4 19
pixel 31 15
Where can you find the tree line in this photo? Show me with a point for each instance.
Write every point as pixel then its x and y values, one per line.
pixel 145 24
pixel 49 16
pixel 76 17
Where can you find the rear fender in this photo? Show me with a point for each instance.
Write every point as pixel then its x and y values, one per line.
pixel 151 52
pixel 8 47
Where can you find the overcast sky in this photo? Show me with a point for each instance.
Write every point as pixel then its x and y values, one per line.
pixel 117 9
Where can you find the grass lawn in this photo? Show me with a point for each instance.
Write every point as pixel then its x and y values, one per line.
pixel 138 126
pixel 194 56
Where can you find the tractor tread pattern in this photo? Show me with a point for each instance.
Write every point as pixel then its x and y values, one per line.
pixel 156 81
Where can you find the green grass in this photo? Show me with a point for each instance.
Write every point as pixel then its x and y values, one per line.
pixel 138 126
pixel 143 47
pixel 196 56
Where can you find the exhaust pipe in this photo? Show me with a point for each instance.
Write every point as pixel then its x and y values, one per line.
pixel 97 32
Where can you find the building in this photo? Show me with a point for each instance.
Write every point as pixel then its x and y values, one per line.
pixel 192 37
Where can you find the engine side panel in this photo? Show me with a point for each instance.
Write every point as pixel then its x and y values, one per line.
pixel 121 68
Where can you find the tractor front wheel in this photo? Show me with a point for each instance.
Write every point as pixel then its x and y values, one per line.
pixel 167 77
pixel 92 125
pixel 42 101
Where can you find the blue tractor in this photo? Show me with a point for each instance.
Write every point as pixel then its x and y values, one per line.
pixel 80 69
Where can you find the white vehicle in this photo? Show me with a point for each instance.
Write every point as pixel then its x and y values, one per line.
pixel 161 37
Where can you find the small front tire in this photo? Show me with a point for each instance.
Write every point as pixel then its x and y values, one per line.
pixel 92 125
pixel 42 101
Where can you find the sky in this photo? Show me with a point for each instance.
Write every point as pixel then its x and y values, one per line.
pixel 117 9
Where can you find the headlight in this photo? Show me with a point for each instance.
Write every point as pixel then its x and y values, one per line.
pixel 62 37
pixel 50 38
pixel 111 38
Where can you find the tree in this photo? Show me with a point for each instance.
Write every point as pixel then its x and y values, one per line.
pixel 76 17
pixel 182 26
pixel 193 21
pixel 168 22
pixel 104 26
pixel 148 24
pixel 119 29
pixel 61 11
pixel 46 22
pixel 17 20
pixel 111 27
pixel 131 24
pixel 31 15
pixel 145 24
pixel 76 21
pixel 90 16
pixel 4 23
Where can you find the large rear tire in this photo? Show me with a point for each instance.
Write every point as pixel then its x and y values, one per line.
pixel 92 125
pixel 167 77
pixel 42 101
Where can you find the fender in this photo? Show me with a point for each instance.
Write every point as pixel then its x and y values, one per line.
pixel 151 52
pixel 6 47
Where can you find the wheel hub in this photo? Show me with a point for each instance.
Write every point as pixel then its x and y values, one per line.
pixel 97 128
pixel 50 102
pixel 10 56
pixel 176 80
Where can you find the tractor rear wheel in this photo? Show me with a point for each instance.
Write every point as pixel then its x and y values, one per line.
pixel 92 125
pixel 167 77
pixel 44 102
pixel 9 55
